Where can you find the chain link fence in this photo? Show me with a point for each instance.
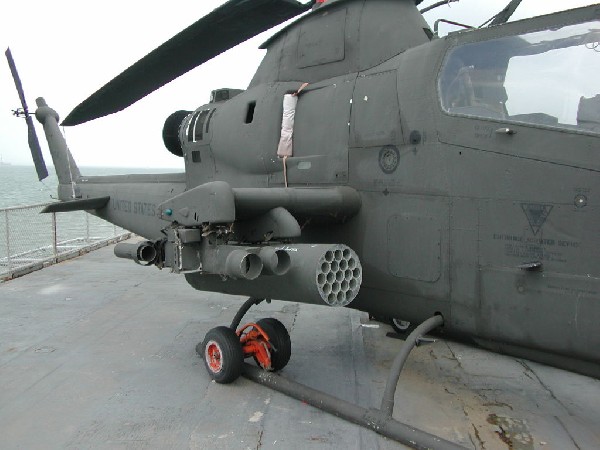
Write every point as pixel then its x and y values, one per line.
pixel 30 241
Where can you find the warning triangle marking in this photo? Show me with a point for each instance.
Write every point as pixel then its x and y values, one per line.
pixel 536 214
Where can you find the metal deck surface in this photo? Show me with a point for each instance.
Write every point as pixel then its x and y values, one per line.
pixel 98 352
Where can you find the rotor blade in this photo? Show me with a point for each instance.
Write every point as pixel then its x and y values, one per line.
pixel 36 151
pixel 225 27
pixel 506 13
pixel 435 5
pixel 15 75
pixel 34 143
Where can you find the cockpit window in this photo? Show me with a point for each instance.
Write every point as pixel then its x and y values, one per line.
pixel 550 78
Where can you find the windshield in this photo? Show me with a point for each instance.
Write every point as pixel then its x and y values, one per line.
pixel 550 78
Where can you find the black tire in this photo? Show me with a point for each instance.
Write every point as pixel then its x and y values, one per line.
pixel 222 354
pixel 280 339
pixel 400 326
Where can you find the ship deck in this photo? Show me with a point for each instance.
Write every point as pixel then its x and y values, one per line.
pixel 97 352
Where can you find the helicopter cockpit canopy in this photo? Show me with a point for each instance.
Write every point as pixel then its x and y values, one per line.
pixel 492 79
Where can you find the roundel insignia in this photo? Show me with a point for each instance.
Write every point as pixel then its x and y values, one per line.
pixel 389 157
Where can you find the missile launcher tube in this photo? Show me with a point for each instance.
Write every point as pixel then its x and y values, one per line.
pixel 324 274
pixel 142 253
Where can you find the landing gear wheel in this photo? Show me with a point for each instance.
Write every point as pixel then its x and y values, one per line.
pixel 400 326
pixel 223 356
pixel 280 340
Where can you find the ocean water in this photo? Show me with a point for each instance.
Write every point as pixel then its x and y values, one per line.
pixel 26 235
pixel 19 184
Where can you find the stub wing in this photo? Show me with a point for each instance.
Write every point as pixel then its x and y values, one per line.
pixel 77 205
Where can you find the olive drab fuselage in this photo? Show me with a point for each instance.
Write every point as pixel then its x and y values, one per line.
pixel 461 171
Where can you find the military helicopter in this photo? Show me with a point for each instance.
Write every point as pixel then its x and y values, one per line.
pixel 370 164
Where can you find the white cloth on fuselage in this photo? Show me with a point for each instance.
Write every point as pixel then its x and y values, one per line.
pixel 287 125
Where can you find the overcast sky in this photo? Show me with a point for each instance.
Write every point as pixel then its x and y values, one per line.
pixel 66 49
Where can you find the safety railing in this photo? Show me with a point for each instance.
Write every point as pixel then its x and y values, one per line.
pixel 30 241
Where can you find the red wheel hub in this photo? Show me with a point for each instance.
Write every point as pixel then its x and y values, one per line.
pixel 213 356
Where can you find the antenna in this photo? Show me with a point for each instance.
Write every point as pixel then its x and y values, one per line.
pixel 506 13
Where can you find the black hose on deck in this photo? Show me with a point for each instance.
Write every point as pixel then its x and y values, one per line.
pixel 387 403
pixel 369 418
